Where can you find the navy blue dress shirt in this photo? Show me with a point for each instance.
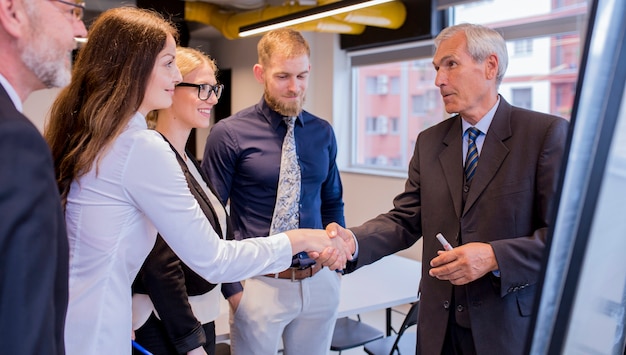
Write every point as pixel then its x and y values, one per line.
pixel 242 160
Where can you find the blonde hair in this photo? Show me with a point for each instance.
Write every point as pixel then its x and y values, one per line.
pixel 187 60
pixel 283 41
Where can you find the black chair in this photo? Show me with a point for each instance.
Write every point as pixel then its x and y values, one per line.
pixel 397 343
pixel 350 333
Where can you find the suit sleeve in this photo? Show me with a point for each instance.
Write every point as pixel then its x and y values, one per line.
pixel 33 245
pixel 163 279
pixel 397 229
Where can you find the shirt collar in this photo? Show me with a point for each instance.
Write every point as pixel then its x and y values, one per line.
pixel 138 120
pixel 12 93
pixel 485 122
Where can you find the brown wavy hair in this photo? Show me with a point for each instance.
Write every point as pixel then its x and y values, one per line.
pixel 109 80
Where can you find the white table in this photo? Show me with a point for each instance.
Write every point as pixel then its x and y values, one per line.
pixel 389 282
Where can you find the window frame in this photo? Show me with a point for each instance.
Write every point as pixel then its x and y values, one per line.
pixel 547 26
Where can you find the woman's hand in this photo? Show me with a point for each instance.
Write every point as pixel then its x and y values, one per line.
pixel 316 242
pixel 197 351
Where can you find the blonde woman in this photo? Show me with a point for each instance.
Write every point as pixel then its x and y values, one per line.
pixel 173 308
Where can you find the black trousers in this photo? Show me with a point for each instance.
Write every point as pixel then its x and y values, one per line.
pixel 153 337
pixel 459 340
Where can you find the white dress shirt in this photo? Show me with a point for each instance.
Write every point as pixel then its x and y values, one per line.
pixel 113 213
pixel 205 307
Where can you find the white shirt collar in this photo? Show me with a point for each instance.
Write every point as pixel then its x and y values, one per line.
pixel 12 93
pixel 485 122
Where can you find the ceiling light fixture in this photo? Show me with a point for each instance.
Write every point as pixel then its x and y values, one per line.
pixel 315 13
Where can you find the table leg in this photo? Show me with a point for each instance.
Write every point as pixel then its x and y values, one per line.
pixel 388 321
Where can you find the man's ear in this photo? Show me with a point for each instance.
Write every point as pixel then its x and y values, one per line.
pixel 12 17
pixel 259 73
pixel 491 66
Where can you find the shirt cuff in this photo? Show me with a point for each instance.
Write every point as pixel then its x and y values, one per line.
pixel 356 244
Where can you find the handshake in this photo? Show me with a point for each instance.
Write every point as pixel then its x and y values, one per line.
pixel 332 247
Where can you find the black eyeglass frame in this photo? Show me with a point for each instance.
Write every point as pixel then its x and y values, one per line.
pixel 216 89
pixel 78 11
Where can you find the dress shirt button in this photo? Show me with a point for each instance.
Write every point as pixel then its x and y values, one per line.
pixel 446 304
pixel 460 308
pixel 465 188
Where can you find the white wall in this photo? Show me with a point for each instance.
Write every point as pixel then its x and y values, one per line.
pixel 38 104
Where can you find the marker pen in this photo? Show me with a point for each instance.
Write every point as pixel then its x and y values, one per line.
pixel 444 242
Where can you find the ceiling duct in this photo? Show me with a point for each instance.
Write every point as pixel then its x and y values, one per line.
pixel 389 15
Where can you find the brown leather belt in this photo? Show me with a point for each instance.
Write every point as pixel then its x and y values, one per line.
pixel 295 274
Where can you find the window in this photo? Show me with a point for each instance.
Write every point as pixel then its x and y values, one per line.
pixel 523 47
pixel 522 97
pixel 397 83
pixel 394 125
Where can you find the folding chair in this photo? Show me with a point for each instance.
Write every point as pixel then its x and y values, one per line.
pixel 350 333
pixel 398 343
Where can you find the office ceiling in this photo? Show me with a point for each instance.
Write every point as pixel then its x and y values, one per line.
pixel 209 19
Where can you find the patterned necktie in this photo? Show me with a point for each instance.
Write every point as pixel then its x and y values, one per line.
pixel 286 211
pixel 472 154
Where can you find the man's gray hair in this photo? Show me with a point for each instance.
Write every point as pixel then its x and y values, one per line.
pixel 481 43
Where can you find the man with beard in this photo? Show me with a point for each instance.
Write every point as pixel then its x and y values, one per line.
pixel 37 39
pixel 246 158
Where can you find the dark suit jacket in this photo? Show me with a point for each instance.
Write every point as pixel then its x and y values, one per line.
pixel 168 281
pixel 509 205
pixel 33 242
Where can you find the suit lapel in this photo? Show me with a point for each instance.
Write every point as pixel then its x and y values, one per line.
pixel 451 163
pixel 493 153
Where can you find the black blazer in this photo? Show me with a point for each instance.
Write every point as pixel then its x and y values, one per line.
pixel 168 281
pixel 509 205
pixel 33 243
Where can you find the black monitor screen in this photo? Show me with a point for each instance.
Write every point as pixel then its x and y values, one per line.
pixel 423 21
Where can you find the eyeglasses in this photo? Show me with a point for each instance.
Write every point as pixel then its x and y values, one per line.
pixel 205 90
pixel 77 11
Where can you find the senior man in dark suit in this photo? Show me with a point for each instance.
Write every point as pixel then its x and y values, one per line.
pixel 37 39
pixel 491 195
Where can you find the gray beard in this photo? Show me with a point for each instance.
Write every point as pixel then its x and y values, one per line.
pixel 48 64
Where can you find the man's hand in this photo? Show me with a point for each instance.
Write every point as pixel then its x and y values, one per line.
pixel 464 264
pixel 334 230
pixel 317 242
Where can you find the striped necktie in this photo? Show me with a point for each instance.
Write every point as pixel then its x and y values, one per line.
pixel 471 161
